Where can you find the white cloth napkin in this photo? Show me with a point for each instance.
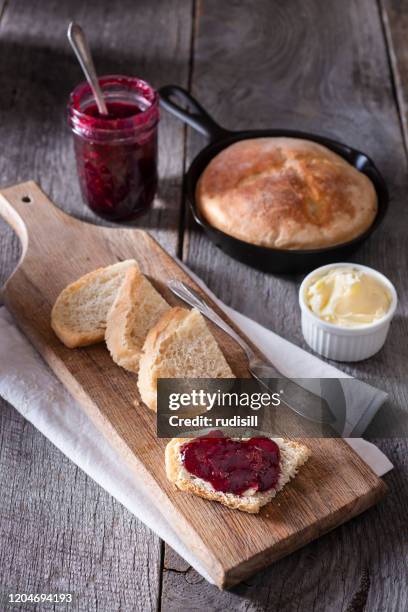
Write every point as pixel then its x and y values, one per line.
pixel 28 384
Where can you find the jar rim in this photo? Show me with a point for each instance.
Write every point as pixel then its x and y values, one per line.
pixel 140 120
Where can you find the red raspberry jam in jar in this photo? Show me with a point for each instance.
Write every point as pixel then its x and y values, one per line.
pixel 233 466
pixel 116 154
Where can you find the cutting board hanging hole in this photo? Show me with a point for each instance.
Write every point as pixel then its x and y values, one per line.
pixel 26 199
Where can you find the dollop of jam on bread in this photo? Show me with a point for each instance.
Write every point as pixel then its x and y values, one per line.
pixel 233 466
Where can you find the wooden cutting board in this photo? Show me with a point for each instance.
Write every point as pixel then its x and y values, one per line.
pixel 331 488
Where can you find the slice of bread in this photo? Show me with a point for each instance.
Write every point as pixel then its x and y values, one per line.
pixel 137 307
pixel 79 313
pixel 292 454
pixel 180 345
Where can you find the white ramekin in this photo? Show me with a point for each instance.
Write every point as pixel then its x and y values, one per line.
pixel 345 343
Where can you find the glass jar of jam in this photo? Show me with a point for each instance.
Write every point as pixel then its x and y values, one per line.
pixel 116 154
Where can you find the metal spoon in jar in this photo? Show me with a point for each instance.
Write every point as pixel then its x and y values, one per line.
pixel 80 45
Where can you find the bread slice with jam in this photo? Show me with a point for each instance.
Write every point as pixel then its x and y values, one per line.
pixel 292 456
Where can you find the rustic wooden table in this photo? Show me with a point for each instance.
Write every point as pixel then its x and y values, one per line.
pixel 339 68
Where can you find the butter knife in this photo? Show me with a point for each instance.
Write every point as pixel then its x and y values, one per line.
pixel 302 401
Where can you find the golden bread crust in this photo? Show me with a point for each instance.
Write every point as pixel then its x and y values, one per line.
pixel 136 308
pixel 180 345
pixel 285 193
pixel 83 296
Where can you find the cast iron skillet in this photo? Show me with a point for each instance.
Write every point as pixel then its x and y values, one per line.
pixel 279 261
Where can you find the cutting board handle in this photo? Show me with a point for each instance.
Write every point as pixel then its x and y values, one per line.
pixel 26 208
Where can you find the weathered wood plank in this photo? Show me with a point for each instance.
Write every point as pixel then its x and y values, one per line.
pixel 61 533
pixel 272 70
pixel 38 72
pixel 151 40
pixel 395 18
pixel 337 84
pixel 279 41
pixel 293 64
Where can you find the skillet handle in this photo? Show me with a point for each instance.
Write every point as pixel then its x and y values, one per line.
pixel 197 117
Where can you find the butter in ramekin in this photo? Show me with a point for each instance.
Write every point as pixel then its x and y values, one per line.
pixel 348 297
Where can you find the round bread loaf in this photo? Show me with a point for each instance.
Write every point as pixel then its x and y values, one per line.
pixel 285 193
